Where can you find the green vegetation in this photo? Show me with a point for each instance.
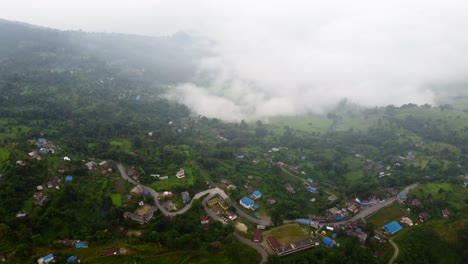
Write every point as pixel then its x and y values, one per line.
pixel 289 233
pixel 98 97
pixel 390 213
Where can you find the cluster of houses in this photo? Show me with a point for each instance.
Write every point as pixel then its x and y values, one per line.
pixel 249 203
pixel 143 214
pixel 336 214
pixel 283 250
pixel 219 206
pixel 105 167
pixel 43 147
pixel 51 258
pixel 74 243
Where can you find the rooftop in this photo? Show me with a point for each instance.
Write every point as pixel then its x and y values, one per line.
pixel 247 201
pixel 393 227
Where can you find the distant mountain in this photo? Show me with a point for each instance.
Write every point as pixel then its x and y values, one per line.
pixel 162 60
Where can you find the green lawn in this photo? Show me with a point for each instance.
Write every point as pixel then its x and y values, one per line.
pixel 288 233
pixel 116 199
pixel 4 154
pixel 123 144
pixel 392 212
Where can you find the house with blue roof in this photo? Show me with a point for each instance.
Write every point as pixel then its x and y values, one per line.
pixel 392 227
pixel 303 221
pixel 311 189
pixel 328 241
pixel 46 259
pixel 402 197
pixel 256 194
pixel 69 178
pixel 246 202
pixel 82 244
pixel 72 259
pixel 310 180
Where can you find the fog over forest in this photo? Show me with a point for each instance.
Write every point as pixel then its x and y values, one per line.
pixel 288 57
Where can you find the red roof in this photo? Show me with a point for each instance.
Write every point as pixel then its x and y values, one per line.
pixel 257 235
pixel 273 242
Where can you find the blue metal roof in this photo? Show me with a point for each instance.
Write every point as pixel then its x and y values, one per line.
pixel 256 206
pixel 402 195
pixel 339 217
pixel 327 241
pixel 247 201
pixel 311 189
pixel 393 227
pixel 69 178
pixel 72 258
pixel 303 221
pixel 310 180
pixel 257 193
pixel 50 256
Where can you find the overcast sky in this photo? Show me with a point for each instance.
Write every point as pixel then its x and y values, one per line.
pixel 287 57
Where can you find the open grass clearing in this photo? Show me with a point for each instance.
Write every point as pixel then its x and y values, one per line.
pixel 288 233
pixel 4 154
pixel 386 215
pixel 116 199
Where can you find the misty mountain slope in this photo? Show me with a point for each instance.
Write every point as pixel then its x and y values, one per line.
pixel 163 59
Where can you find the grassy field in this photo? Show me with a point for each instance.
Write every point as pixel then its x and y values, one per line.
pixel 445 244
pixel 123 144
pixel 172 181
pixel 386 215
pixel 311 123
pixel 288 233
pixel 4 154
pixel 6 242
pixel 116 199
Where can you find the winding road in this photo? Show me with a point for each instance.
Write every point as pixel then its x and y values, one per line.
pixel 363 214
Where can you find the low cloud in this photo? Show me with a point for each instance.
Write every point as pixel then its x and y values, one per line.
pixel 290 57
pixel 300 57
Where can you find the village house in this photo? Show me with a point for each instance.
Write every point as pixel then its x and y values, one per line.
pixel 352 207
pixel 142 219
pixel 230 215
pixel 185 197
pixel 132 172
pixel 204 219
pixel 392 227
pixel 332 198
pixel 91 165
pixel 219 201
pixel 424 216
pixel 256 194
pixel 270 201
pixel 289 188
pixel 445 213
pixel 180 174
pixel 391 191
pixel 311 189
pixel 46 259
pixel 138 189
pixel 406 221
pixel 257 237
pixel 402 197
pixel 247 203
pixel 109 252
pixel 416 202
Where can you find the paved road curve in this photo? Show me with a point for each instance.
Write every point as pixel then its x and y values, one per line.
pixel 254 245
pixel 261 221
pixel 366 212
pixel 211 193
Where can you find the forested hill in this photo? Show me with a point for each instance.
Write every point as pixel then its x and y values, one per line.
pixel 88 86
pixel 168 59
